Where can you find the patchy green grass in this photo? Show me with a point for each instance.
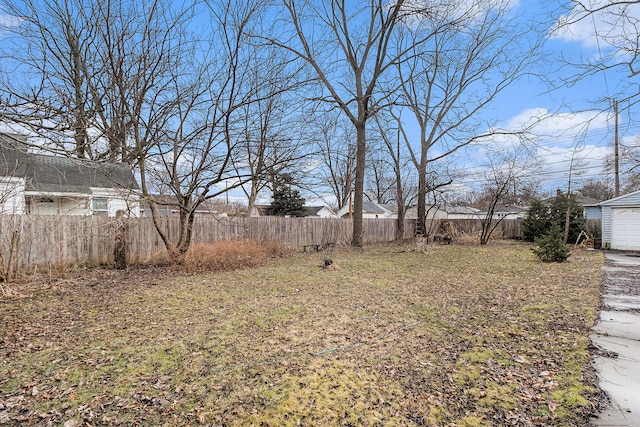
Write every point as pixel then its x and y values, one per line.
pixel 464 335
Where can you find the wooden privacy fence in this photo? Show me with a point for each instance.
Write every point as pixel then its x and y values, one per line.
pixel 143 240
pixel 63 240
pixel 59 240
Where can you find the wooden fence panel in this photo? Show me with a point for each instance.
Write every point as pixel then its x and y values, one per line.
pixel 57 240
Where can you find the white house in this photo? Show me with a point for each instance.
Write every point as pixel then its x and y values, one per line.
pixel 370 210
pixel 42 184
pixel 462 212
pixel 433 211
pixel 319 212
pixel 621 222
pixel 507 212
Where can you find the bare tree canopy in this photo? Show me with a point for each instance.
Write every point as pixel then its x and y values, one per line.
pixel 455 75
pixel 614 25
pixel 348 46
pixel 201 97
pixel 151 86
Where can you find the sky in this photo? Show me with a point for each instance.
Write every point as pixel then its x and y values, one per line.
pixel 577 130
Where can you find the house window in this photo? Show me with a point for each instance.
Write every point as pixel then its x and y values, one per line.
pixel 100 206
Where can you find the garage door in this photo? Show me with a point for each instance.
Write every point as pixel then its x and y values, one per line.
pixel 625 228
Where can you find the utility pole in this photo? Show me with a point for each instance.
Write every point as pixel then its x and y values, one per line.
pixel 616 158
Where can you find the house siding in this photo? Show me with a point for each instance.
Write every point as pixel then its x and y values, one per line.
pixel 606 226
pixel 628 200
pixel 631 199
pixel 11 199
pixel 592 212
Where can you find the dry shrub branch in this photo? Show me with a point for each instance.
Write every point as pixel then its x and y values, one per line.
pixel 231 255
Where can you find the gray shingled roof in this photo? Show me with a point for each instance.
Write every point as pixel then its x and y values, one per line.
pixel 54 174
pixel 371 208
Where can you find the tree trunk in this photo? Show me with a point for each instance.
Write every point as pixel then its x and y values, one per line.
pixel 567 219
pixel 252 198
pixel 400 225
pixel 421 222
pixel 120 247
pixel 361 149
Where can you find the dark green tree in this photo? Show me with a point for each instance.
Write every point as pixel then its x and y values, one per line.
pixel 543 215
pixel 551 248
pixel 287 201
pixel 538 220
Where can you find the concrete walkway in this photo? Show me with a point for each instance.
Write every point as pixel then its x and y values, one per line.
pixel 617 334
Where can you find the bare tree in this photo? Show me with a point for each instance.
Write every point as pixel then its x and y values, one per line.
pixel 616 27
pixel 448 82
pixel 163 98
pixel 271 129
pixel 44 86
pixel 336 153
pixel 508 170
pixel 380 176
pixel 629 163
pixel 188 147
pixel 85 84
pixel 11 208
pixel 348 47
pixel 597 189
pixel 391 132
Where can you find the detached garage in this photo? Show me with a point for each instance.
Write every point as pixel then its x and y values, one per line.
pixel 621 222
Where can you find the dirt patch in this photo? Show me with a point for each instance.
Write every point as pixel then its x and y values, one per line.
pixel 455 335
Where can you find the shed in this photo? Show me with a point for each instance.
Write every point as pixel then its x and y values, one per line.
pixel 621 222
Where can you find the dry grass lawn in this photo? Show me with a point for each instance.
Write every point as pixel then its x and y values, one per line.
pixel 459 335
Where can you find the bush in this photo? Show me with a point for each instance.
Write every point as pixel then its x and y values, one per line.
pixel 551 248
pixel 231 255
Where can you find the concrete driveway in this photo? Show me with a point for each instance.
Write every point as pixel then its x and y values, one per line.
pixel 617 334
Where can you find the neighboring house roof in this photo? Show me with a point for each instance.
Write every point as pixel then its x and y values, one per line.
pixel 167 205
pixel 462 210
pixel 587 201
pixel 510 209
pixel 372 208
pixel 368 208
pixel 315 210
pixel 312 210
pixel 506 211
pixel 55 174
pixel 390 207
pixel 309 211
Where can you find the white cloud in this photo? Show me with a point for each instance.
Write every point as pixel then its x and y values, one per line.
pixel 544 122
pixel 466 12
pixel 8 22
pixel 599 24
pixel 540 126
pixel 558 141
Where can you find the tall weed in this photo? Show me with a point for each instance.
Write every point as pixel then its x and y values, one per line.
pixel 231 255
